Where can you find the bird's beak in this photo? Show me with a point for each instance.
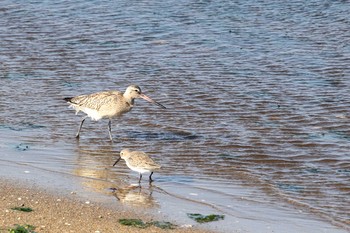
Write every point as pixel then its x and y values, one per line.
pixel 117 161
pixel 145 97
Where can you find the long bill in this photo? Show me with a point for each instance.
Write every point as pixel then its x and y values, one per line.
pixel 117 161
pixel 145 97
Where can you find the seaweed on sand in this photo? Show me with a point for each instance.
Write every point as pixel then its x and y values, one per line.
pixel 23 209
pixel 22 229
pixel 141 224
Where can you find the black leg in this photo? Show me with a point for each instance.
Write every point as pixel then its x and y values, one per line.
pixel 140 178
pixel 110 129
pixel 81 125
pixel 150 177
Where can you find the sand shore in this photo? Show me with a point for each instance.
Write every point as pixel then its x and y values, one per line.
pixel 54 212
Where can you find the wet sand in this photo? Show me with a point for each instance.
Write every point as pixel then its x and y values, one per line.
pixel 61 213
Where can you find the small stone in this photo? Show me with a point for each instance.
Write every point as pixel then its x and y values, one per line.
pixel 87 202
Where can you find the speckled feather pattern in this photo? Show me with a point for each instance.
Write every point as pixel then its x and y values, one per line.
pixel 96 100
pixel 139 161
pixel 105 104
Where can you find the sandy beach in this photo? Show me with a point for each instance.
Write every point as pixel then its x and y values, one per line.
pixel 60 213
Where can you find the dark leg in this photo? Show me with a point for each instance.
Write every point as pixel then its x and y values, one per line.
pixel 140 178
pixel 150 177
pixel 81 125
pixel 110 130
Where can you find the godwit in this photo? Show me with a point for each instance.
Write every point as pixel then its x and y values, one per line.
pixel 138 161
pixel 107 104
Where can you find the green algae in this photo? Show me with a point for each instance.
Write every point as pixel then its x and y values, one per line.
pixel 22 229
pixel 200 218
pixel 23 209
pixel 141 224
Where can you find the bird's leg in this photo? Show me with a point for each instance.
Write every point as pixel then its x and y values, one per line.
pixel 140 178
pixel 150 177
pixel 81 125
pixel 110 130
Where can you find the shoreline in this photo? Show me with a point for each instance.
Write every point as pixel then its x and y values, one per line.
pixel 57 212
pixel 64 202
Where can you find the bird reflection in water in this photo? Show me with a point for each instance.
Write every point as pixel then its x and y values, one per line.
pixel 136 195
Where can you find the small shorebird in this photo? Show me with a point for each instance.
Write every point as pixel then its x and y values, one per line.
pixel 138 161
pixel 107 104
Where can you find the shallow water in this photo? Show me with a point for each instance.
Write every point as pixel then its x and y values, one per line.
pixel 257 97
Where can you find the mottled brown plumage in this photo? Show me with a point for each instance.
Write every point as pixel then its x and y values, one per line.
pixel 138 161
pixel 107 104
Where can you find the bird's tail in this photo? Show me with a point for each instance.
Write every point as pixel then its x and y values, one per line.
pixel 68 99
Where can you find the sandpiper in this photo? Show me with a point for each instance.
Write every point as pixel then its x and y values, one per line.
pixel 138 161
pixel 107 104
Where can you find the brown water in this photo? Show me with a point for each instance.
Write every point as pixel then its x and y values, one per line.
pixel 257 97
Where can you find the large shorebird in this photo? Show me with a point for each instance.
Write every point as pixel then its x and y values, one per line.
pixel 107 104
pixel 138 161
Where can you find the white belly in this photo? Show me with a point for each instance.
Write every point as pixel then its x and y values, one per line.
pixel 138 169
pixel 103 112
pixel 93 114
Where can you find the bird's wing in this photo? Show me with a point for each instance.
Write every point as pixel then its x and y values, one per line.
pixel 96 100
pixel 143 160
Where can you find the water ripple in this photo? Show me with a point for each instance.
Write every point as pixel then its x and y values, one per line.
pixel 258 92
